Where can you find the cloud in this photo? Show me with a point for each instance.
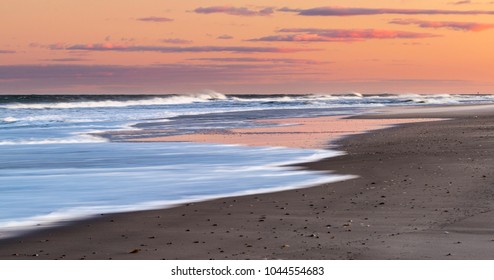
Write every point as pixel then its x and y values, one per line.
pixel 302 38
pixel 341 35
pixel 290 10
pixel 344 11
pixel 155 19
pixel 461 2
pixel 66 59
pixel 256 60
pixel 7 51
pixel 465 26
pixel 176 41
pixel 236 11
pixel 225 37
pixel 169 49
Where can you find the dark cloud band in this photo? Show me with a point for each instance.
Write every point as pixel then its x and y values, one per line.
pixel 464 26
pixel 236 11
pixel 340 35
pixel 343 11
pixel 169 49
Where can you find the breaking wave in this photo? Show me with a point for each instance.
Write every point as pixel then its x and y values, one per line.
pixel 9 120
pixel 118 101
pixel 68 140
pixel 115 101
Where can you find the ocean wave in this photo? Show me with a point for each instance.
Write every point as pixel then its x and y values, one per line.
pixel 9 120
pixel 69 140
pixel 350 94
pixel 115 101
pixel 164 100
pixel 49 118
pixel 301 98
pixel 437 99
pixel 284 98
pixel 265 99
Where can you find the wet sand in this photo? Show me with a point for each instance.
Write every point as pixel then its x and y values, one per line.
pixel 425 191
pixel 308 133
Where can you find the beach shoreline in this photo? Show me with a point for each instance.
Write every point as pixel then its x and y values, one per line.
pixel 305 133
pixel 412 200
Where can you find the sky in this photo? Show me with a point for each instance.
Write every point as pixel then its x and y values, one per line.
pixel 240 46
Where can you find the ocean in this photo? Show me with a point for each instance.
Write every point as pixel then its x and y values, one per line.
pixel 66 157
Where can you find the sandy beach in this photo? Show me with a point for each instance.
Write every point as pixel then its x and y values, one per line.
pixel 425 191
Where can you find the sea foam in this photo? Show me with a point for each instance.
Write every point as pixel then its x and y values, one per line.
pixel 46 184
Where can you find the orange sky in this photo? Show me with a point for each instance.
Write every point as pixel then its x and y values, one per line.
pixel 156 46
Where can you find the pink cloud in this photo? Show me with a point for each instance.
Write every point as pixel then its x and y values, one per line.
pixel 465 26
pixel 170 49
pixel 155 19
pixel 341 35
pixel 176 41
pixel 344 11
pixel 236 11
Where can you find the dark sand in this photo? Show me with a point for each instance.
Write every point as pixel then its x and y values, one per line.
pixel 426 191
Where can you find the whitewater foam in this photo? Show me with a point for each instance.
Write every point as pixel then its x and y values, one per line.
pixel 211 96
pixel 68 140
pixel 90 179
pixel 14 228
pixel 9 120
pixel 165 100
